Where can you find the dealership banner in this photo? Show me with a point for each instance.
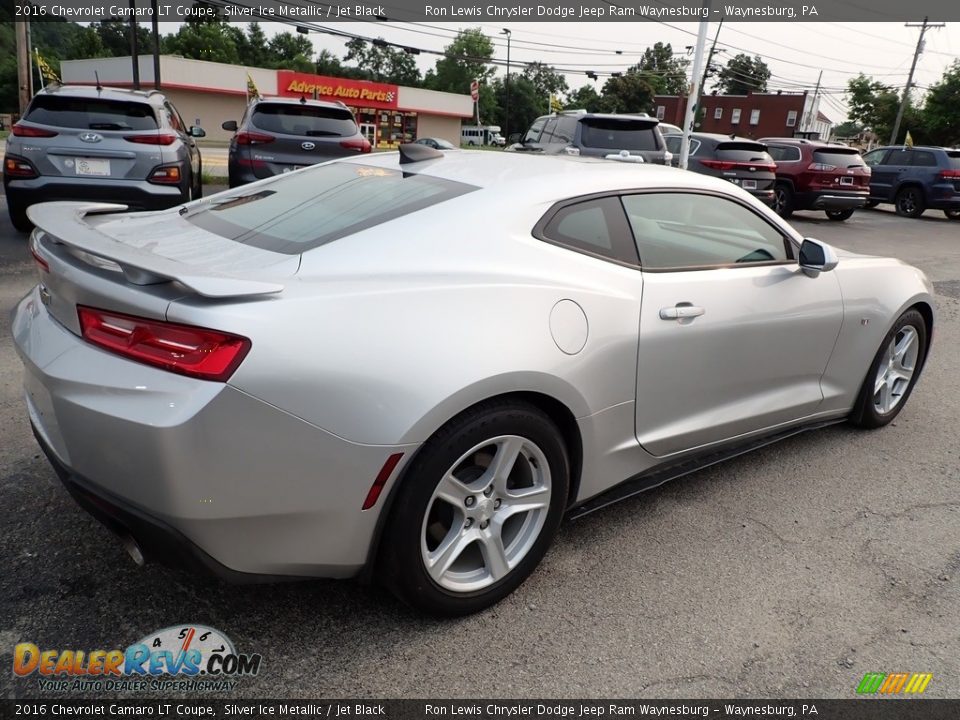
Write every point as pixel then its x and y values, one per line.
pixel 307 12
pixel 346 709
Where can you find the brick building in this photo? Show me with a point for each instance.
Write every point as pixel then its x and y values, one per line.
pixel 753 115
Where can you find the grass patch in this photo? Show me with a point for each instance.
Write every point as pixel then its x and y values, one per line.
pixel 210 179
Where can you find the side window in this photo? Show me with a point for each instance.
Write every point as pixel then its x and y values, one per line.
pixel 548 131
pixel 735 116
pixel 900 157
pixel 874 157
pixel 173 118
pixel 565 130
pixel 673 143
pixel 922 158
pixel 784 153
pixel 533 134
pixel 595 226
pixel 675 231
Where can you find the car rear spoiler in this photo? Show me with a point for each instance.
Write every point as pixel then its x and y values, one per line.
pixel 64 223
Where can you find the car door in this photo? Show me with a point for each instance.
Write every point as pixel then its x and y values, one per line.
pixel 880 176
pixel 734 337
pixel 891 173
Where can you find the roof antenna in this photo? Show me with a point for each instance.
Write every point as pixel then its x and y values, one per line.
pixel 303 99
pixel 97 76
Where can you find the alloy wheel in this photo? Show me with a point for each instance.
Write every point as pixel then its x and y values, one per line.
pixel 896 370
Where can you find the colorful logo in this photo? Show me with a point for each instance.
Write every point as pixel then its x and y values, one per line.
pixel 894 683
pixel 180 657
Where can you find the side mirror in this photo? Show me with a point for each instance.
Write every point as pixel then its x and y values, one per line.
pixel 816 257
pixel 230 125
pixel 197 131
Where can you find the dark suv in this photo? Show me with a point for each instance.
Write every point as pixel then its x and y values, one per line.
pixel 915 178
pixel 742 161
pixel 279 135
pixel 574 132
pixel 100 143
pixel 815 175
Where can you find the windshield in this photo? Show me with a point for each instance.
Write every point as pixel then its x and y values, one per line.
pixel 294 213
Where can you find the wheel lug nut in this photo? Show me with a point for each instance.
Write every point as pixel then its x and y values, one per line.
pixel 467 523
pixel 484 524
pixel 469 501
pixel 489 491
pixel 496 504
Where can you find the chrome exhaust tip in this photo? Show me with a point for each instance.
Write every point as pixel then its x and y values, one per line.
pixel 133 550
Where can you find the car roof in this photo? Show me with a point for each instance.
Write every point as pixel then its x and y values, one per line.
pixel 803 141
pixel 717 137
pixel 299 102
pixel 108 93
pixel 546 178
pixel 911 147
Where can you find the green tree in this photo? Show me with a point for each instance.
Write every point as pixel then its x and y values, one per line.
pixel 873 105
pixel 526 103
pixel 941 119
pixel 381 62
pixel 327 63
pixel 115 37
pixel 630 93
pixel 546 81
pixel 584 98
pixel 743 74
pixel 466 58
pixel 214 41
pixel 252 46
pixel 664 72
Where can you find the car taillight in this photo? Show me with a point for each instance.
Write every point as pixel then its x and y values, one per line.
pixel 821 167
pixel 253 138
pixel 40 260
pixel 18 167
pixel 151 139
pixel 361 145
pixel 731 165
pixel 27 131
pixel 183 349
pixel 950 174
pixel 165 175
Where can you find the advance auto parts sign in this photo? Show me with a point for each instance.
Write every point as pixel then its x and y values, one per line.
pixel 356 93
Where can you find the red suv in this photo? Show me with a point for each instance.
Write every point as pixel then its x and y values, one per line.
pixel 814 175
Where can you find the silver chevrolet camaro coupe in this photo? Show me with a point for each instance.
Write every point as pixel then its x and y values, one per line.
pixel 411 366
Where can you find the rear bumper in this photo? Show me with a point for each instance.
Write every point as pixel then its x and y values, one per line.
pixel 198 473
pixel 137 194
pixel 834 200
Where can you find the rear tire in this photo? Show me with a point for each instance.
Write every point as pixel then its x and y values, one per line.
pixel 18 216
pixel 839 215
pixel 477 509
pixel 910 203
pixel 783 203
pixel 893 373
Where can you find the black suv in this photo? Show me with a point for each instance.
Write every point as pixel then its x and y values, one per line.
pixel 915 178
pixel 279 135
pixel 742 161
pixel 574 132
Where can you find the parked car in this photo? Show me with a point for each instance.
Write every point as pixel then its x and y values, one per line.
pixel 915 179
pixel 436 143
pixel 575 132
pixel 333 373
pixel 669 129
pixel 278 135
pixel 815 175
pixel 100 143
pixel 742 161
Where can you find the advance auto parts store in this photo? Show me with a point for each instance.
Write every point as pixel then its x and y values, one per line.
pixel 208 93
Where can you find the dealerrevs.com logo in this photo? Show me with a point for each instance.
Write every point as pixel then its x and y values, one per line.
pixel 186 658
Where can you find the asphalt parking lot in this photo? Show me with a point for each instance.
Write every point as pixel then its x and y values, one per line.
pixel 790 572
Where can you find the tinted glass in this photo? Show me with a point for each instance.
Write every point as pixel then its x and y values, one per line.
pixel 875 157
pixel 596 226
pixel 533 134
pixel 548 131
pixel 922 158
pixel 903 156
pixel 953 158
pixel 784 153
pixel 297 212
pixel 307 120
pixel 673 143
pixel 840 158
pixel 686 230
pixel 743 152
pixel 91 113
pixel 616 134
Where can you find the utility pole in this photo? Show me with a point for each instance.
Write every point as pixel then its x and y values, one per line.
pixel 155 31
pixel 134 45
pixel 694 87
pixel 924 26
pixel 808 116
pixel 706 70
pixel 23 66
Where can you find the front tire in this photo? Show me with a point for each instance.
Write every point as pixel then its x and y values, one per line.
pixel 893 372
pixel 18 216
pixel 839 215
pixel 477 509
pixel 910 203
pixel 783 203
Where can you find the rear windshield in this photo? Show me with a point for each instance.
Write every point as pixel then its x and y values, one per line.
pixel 743 152
pixel 297 212
pixel 953 157
pixel 839 157
pixel 306 120
pixel 91 113
pixel 610 134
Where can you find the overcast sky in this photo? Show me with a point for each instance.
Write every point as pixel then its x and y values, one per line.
pixel 795 52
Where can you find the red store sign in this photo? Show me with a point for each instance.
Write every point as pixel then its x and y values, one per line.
pixel 357 93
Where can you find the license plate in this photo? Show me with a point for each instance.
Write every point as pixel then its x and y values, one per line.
pixel 749 184
pixel 92 166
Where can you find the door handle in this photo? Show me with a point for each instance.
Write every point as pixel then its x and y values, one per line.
pixel 681 311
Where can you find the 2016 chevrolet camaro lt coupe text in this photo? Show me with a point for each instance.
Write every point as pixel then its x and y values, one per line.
pixel 411 366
